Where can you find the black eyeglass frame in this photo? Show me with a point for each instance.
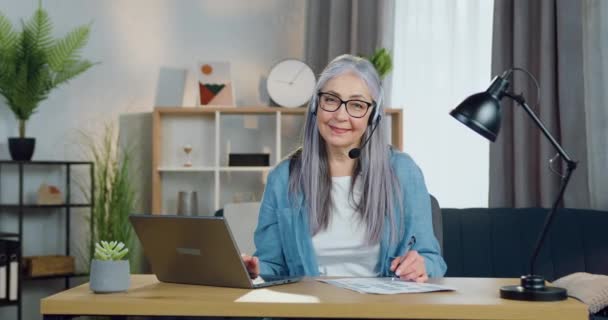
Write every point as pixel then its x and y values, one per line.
pixel 369 105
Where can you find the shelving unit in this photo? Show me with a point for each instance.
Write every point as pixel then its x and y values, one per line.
pixel 42 206
pixel 5 235
pixel 20 207
pixel 63 276
pixel 208 130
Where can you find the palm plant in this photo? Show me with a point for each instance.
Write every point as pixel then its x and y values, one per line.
pixel 32 63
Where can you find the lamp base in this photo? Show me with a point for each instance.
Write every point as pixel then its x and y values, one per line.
pixel 533 288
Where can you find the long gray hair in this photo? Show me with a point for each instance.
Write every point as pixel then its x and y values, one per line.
pixel 309 168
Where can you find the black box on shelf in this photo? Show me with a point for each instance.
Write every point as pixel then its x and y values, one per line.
pixel 249 159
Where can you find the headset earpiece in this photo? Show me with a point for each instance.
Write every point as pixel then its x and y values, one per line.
pixel 314 104
pixel 374 117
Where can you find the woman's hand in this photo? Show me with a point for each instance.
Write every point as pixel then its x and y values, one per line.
pixel 410 267
pixel 252 264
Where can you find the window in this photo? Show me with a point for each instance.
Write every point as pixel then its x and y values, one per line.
pixel 442 54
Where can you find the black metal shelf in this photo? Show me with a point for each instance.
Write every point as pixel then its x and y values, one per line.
pixel 20 208
pixel 42 206
pixel 4 303
pixel 46 162
pixel 4 235
pixel 58 276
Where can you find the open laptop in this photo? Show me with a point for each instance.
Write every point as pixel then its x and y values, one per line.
pixel 196 250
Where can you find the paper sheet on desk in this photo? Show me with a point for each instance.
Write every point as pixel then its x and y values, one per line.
pixel 384 285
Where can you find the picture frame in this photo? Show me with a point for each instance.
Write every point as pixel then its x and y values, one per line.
pixel 215 85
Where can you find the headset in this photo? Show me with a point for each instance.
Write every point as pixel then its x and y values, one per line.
pixel 373 120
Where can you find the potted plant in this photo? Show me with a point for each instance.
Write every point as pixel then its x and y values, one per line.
pixel 115 194
pixel 32 63
pixel 382 61
pixel 109 272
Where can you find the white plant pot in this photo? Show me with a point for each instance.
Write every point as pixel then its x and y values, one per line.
pixel 109 276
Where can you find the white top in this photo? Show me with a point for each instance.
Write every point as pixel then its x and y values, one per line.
pixel 341 248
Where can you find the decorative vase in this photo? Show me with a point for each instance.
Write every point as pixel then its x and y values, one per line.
pixel 109 276
pixel 21 149
pixel 187 203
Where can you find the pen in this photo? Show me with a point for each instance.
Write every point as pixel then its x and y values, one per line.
pixel 408 247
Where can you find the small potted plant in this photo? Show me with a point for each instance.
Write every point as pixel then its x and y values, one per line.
pixel 109 272
pixel 32 63
pixel 382 61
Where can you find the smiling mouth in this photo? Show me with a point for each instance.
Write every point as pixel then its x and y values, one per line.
pixel 338 130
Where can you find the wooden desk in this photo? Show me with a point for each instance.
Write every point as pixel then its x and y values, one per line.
pixel 476 298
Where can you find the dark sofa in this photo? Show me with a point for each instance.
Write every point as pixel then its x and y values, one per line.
pixel 498 242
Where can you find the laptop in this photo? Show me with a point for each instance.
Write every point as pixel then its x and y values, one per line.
pixel 196 250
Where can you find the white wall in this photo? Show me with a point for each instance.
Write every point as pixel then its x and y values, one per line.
pixel 442 55
pixel 133 40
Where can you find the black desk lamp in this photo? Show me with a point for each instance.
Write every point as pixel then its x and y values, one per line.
pixel 481 112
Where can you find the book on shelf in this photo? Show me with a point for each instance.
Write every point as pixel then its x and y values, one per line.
pixel 10 250
pixel 3 272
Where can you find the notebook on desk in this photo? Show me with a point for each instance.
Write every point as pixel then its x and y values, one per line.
pixel 196 250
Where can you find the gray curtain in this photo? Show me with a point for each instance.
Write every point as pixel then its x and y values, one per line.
pixel 595 60
pixel 347 26
pixel 546 38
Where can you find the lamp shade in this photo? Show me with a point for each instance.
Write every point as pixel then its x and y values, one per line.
pixel 480 112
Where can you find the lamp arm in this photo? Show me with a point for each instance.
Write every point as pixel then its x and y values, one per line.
pixel 549 218
pixel 520 99
pixel 571 166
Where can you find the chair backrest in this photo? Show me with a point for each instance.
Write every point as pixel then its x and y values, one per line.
pixel 243 219
pixel 437 221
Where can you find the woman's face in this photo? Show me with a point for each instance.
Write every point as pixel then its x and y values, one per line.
pixel 340 130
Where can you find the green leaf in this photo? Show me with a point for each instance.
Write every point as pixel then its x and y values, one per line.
pixel 121 254
pixel 70 71
pixel 65 51
pixel 38 30
pixel 8 37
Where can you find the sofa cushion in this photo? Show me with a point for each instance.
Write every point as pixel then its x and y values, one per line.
pixel 498 242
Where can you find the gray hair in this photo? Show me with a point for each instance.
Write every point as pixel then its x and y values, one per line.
pixel 309 167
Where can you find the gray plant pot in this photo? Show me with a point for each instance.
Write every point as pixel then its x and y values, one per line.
pixel 109 276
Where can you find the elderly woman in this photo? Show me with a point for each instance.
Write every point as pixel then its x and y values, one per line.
pixel 346 203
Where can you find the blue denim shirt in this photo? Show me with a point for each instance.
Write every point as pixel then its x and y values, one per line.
pixel 284 243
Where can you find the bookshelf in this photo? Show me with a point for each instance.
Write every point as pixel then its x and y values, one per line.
pixel 211 132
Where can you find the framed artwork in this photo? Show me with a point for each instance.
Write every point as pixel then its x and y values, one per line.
pixel 214 84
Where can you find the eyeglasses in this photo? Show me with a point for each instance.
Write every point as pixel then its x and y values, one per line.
pixel 355 108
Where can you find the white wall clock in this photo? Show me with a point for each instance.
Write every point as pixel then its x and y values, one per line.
pixel 290 83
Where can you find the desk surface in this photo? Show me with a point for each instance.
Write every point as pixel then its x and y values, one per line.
pixel 475 298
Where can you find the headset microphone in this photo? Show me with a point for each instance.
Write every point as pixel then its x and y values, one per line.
pixel 354 153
